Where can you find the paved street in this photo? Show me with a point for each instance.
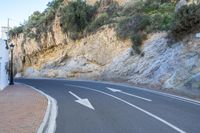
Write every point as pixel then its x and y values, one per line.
pixel 94 107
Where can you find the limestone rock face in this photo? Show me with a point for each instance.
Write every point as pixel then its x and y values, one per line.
pixel 58 56
pixel 103 56
pixel 162 66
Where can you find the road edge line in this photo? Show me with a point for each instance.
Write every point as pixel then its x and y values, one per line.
pixel 173 96
pixel 48 124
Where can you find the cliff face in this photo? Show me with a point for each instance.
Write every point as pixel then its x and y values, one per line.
pixel 103 56
pixel 55 55
pixel 175 67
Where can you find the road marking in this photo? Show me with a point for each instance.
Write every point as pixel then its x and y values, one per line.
pixel 120 91
pixel 180 98
pixel 134 106
pixel 84 102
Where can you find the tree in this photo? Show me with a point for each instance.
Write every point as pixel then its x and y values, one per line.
pixel 76 16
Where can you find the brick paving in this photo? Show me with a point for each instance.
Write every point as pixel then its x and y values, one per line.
pixel 22 109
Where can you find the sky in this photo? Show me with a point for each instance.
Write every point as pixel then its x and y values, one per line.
pixel 19 10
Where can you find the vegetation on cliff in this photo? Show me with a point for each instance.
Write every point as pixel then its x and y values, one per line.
pixel 75 17
pixel 38 23
pixel 134 20
pixel 186 21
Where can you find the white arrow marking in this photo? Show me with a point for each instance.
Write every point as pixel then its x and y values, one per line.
pixel 120 91
pixel 84 102
pixel 134 106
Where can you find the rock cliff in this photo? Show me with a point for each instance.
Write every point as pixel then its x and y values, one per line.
pixel 102 56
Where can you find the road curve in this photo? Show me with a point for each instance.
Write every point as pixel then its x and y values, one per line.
pixel 95 107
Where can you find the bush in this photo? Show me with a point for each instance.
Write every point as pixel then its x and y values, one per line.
pixel 186 21
pixel 134 28
pixel 132 8
pixel 15 31
pixel 141 17
pixel 160 22
pixel 75 17
pixel 38 23
pixel 128 26
pixel 98 22
pixel 113 9
pixel 35 25
pixel 136 40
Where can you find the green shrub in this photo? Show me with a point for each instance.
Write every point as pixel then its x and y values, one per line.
pixel 113 9
pixel 39 23
pixel 136 40
pixel 98 22
pixel 75 17
pixel 160 22
pixel 186 21
pixel 128 26
pixel 132 8
pixel 35 25
pixel 144 17
pixel 160 12
pixel 16 31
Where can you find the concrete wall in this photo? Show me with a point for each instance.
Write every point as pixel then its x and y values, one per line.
pixel 3 61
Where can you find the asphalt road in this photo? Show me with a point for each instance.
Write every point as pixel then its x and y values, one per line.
pixel 95 107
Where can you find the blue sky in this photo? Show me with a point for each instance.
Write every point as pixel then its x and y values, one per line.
pixel 19 10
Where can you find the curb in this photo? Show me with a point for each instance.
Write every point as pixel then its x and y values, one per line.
pixel 48 124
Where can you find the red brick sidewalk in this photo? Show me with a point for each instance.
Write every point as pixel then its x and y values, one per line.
pixel 22 109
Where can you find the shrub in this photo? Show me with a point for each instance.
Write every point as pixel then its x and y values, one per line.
pixel 39 23
pixel 16 31
pixel 75 17
pixel 136 40
pixel 160 22
pixel 51 10
pixel 134 28
pixel 113 9
pixel 186 21
pixel 132 8
pixel 98 22
pixel 128 26
pixel 141 17
pixel 35 25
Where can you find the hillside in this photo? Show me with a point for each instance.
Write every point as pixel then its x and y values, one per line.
pixel 144 43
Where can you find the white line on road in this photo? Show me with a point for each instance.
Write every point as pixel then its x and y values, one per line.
pixel 84 102
pixel 132 105
pixel 77 97
pixel 180 98
pixel 120 91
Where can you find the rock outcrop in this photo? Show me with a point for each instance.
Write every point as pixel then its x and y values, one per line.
pixel 162 66
pixel 103 56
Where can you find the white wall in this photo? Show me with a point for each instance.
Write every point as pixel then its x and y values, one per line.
pixel 3 61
